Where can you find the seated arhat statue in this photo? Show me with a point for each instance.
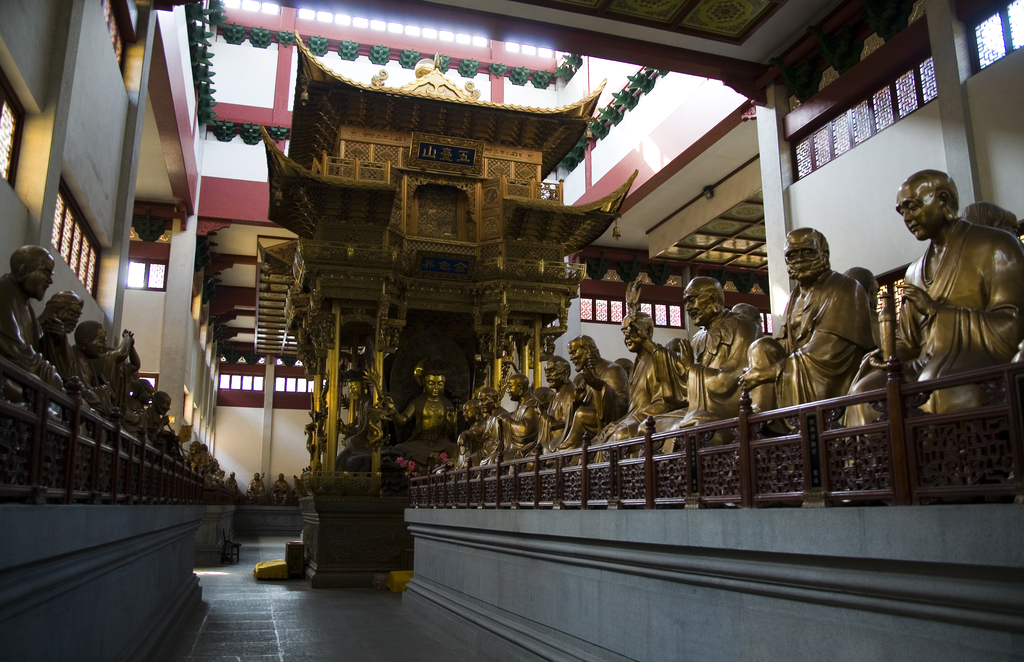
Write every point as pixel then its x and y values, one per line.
pixel 280 489
pixel 492 414
pixel 655 386
pixel 962 300
pixel 134 413
pixel 433 417
pixel 600 392
pixel 59 318
pixel 827 329
pixel 751 313
pixel 106 372
pixel 555 416
pixel 232 484
pixel 256 490
pixel 30 276
pixel 356 450
pixel 713 363
pixel 471 440
pixel 521 426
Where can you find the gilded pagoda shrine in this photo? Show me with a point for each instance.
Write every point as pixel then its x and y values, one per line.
pixel 426 231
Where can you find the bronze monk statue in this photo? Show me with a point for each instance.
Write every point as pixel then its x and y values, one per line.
pixel 962 300
pixel 493 414
pixel 434 419
pixel 471 440
pixel 553 419
pixel 357 450
pixel 31 275
pixel 256 490
pixel 600 392
pixel 519 429
pixel 280 490
pixel 655 386
pixel 713 364
pixel 827 330
pixel 59 318
pixel 751 313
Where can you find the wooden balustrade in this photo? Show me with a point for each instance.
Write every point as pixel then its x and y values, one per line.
pixel 799 456
pixel 55 449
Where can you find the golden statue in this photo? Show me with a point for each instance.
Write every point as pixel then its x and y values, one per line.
pixel 59 318
pixel 519 429
pixel 994 216
pixel 962 300
pixel 493 414
pixel 826 332
pixel 713 364
pixel 600 392
pixel 359 438
pixel 870 284
pixel 471 446
pixel 280 489
pixel 434 418
pixel 256 490
pixel 655 386
pixel 31 275
pixel 555 417
pixel 751 313
pixel 232 484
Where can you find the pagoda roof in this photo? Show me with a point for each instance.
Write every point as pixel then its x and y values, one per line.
pixel 306 198
pixel 433 104
pixel 574 227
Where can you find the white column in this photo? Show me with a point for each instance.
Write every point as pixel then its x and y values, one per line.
pixel 266 441
pixel 950 52
pixel 776 177
pixel 179 332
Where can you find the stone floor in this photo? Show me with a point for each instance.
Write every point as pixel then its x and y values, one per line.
pixel 242 619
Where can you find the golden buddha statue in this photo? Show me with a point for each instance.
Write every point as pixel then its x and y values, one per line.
pixel 434 419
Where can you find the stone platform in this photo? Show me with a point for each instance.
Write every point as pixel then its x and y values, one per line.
pixel 351 539
pixel 929 583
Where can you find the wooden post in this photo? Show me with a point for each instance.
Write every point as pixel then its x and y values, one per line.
pixel 649 463
pixel 74 389
pixel 538 371
pixel 515 486
pixel 115 464
pixel 444 490
pixel 469 464
pixel 497 482
pixel 483 493
pixel 897 432
pixel 584 476
pixel 746 465
pixel 536 478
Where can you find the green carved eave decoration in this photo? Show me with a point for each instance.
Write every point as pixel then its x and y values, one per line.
pixel 659 273
pixel 250 133
pixel 289 361
pixel 840 49
pixel 236 355
pixel 887 17
pixel 408 58
pixel 628 271
pixel 379 54
pixel 443 62
pixel 199 24
pixel 626 99
pixel 541 79
pixel 348 50
pixel 611 114
pixel 498 70
pixel 468 67
pixel 569 67
pixel 259 37
pixel 745 281
pixel 721 275
pixel 209 288
pixel 234 33
pixel 641 81
pixel 575 155
pixel 597 267
pixel 518 75
pixel 802 80
pixel 204 251
pixel 215 13
pixel 148 228
pixel 318 45
pixel 278 133
pixel 224 130
pixel 286 37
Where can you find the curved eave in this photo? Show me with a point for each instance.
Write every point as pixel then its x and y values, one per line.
pixel 539 220
pixel 311 66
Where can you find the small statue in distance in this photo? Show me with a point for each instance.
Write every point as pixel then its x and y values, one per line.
pixel 256 490
pixel 232 484
pixel 156 419
pixel 134 414
pixel 300 489
pixel 30 276
pixel 280 490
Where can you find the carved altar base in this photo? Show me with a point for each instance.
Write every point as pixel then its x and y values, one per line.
pixel 349 539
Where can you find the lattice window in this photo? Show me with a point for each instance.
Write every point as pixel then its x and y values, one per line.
pixel 241 382
pixel 11 117
pixel 990 41
pixel 675 316
pixel 115 35
pixel 601 310
pixel 660 315
pixel 929 86
pixel 146 275
pixel 767 325
pixel 586 309
pixel 865 119
pixel 392 153
pixel 74 241
pixel 645 308
pixel 906 93
pixel 1015 14
pixel 616 311
pixel 357 150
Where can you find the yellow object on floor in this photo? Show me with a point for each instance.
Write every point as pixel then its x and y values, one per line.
pixel 398 579
pixel 277 569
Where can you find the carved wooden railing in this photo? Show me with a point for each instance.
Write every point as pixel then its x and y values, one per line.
pixel 55 449
pixel 801 455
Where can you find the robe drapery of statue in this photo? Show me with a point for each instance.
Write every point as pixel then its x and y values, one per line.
pixel 553 423
pixel 720 357
pixel 20 332
pixel 825 335
pixel 655 387
pixel 978 286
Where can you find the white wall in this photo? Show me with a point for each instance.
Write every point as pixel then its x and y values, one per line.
pixel 288 447
pixel 239 434
pixel 852 200
pixel 234 159
pixel 609 339
pixel 996 99
pixel 144 316
pixel 246 75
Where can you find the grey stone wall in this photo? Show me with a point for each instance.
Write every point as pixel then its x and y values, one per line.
pixel 96 582
pixel 914 583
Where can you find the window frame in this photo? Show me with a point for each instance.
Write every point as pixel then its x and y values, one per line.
pixel 8 97
pixel 87 236
pixel 1004 18
pixel 148 262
